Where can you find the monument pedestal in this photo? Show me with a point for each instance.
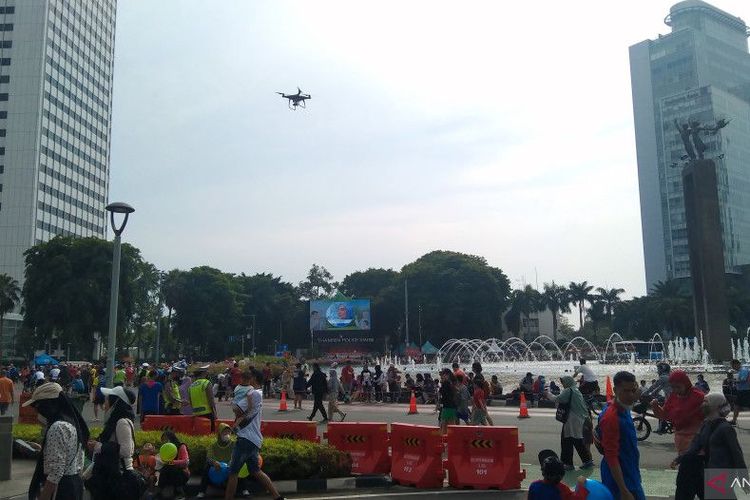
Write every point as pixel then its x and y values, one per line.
pixel 707 258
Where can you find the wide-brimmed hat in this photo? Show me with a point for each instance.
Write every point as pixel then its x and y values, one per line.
pixel 118 392
pixel 50 390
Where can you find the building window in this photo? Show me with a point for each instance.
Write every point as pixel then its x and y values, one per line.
pixel 2 151
pixel 1 188
pixel 8 10
pixel 3 132
pixel 5 61
pixel 6 44
pixel 6 27
pixel 3 114
pixel 2 169
pixel 4 78
pixel 4 97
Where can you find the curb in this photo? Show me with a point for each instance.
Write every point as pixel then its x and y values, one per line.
pixel 312 485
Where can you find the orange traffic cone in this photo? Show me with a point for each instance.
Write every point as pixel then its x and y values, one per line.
pixel 282 404
pixel 610 392
pixel 524 410
pixel 412 404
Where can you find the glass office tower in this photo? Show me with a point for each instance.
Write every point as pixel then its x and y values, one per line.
pixel 698 72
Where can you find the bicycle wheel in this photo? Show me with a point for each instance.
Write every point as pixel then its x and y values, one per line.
pixel 642 428
pixel 595 405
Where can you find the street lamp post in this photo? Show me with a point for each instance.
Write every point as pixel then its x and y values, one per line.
pixel 158 319
pixel 115 208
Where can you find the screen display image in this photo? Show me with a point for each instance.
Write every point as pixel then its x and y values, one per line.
pixel 326 315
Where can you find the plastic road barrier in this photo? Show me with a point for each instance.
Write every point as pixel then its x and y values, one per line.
pixel 26 414
pixel 366 443
pixel 178 423
pixel 304 430
pixel 484 457
pixel 417 456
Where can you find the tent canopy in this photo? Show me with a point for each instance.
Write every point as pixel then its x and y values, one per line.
pixel 45 359
pixel 428 348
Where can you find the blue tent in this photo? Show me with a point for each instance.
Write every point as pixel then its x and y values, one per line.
pixel 428 348
pixel 45 359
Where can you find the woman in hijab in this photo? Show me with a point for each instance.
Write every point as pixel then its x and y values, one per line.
pixel 58 469
pixel 334 388
pixel 682 408
pixel 715 446
pixel 118 427
pixel 572 435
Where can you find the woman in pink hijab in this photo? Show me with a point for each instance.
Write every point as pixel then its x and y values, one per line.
pixel 682 408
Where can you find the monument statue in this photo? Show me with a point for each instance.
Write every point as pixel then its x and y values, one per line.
pixel 692 132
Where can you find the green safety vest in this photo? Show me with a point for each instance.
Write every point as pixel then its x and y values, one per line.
pixel 119 377
pixel 174 398
pixel 198 397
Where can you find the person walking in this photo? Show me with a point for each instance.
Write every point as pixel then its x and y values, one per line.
pixel 249 412
pixel 448 400
pixel 298 384
pixel 682 408
pixel 742 388
pixel 574 420
pixel 347 379
pixel 7 397
pixel 267 379
pixel 149 396
pixel 334 388
pixel 715 446
pixel 318 386
pixel 202 397
pixel 58 470
pixel 479 402
pixel 618 442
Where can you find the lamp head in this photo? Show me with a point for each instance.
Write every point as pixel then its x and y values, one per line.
pixel 119 207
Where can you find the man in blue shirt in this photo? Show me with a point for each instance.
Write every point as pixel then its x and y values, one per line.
pixel 149 396
pixel 742 385
pixel 616 434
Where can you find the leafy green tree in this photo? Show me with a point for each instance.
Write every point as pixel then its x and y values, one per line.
pixel 319 284
pixel 523 303
pixel 580 293
pixel 608 299
pixel 369 283
pixel 461 295
pixel 385 289
pixel 557 299
pixel 67 289
pixel 10 297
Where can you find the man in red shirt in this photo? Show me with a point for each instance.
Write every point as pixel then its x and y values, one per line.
pixel 347 377
pixel 458 371
pixel 235 375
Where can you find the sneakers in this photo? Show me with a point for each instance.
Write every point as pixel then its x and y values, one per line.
pixel 309 419
pixel 587 465
pixel 200 495
pixel 245 493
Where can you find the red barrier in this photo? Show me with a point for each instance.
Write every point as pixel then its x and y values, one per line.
pixel 178 423
pixel 304 430
pixel 366 442
pixel 484 457
pixel 417 456
pixel 26 414
pixel 202 426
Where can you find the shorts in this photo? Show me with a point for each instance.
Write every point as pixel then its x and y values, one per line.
pixel 743 399
pixel 98 397
pixel 448 414
pixel 245 452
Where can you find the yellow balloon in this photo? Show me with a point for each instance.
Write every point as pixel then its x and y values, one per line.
pixel 168 452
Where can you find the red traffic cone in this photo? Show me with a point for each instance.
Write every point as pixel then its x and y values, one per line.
pixel 610 392
pixel 524 410
pixel 412 404
pixel 282 404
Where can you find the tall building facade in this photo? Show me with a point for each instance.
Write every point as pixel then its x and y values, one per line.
pixel 698 72
pixel 56 69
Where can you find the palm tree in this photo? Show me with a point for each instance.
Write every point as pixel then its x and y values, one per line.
pixel 579 294
pixel 609 298
pixel 557 299
pixel 522 304
pixel 10 297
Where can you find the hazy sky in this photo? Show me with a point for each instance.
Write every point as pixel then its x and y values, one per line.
pixel 502 129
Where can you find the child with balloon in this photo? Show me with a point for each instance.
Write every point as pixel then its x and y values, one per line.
pixel 172 464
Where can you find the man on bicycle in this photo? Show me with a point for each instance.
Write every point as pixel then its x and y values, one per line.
pixel 588 383
pixel 659 390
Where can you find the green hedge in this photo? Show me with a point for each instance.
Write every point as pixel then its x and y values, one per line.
pixel 282 458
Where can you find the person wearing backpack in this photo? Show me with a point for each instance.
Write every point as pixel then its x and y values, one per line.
pixel 573 413
pixel 120 431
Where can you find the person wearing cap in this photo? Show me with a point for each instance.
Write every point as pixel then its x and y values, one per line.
pixel 551 487
pixel 58 469
pixel 202 396
pixel 118 428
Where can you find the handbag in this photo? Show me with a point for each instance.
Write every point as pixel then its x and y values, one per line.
pixel 563 411
pixel 132 483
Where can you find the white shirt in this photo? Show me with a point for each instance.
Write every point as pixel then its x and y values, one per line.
pixel 587 372
pixel 54 373
pixel 251 431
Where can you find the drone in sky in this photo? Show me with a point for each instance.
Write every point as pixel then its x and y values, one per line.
pixel 295 100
